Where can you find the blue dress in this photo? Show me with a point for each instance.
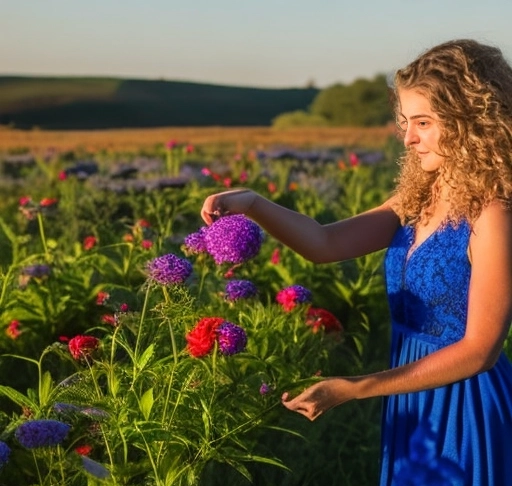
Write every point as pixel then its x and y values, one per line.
pixel 469 423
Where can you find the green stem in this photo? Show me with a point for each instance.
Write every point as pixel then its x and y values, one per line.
pixel 171 331
pixel 41 232
pixel 139 330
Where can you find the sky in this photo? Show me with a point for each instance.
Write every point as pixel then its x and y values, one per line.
pixel 256 43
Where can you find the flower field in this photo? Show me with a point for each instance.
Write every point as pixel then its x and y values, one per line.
pixel 140 347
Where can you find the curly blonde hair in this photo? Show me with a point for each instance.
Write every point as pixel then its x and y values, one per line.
pixel 469 87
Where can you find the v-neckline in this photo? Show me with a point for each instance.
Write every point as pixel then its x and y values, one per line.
pixel 414 247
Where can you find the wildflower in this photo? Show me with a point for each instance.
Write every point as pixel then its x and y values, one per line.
pixel 83 450
pixel 243 176
pixel 189 149
pixel 13 329
pixel 205 171
pixel 124 307
pixel 201 339
pixel 82 347
pixel 89 242
pixel 293 295
pixel 424 466
pixel 171 144
pixel 232 338
pixel 293 186
pixel 317 318
pixel 240 289
pixel 95 468
pixel 354 159
pixel 276 257
pixel 110 319
pixel 195 242
pixel 146 244
pixel 25 201
pixel 102 298
pixel 271 186
pixel 62 175
pixel 143 223
pixel 233 239
pixel 48 202
pixel 5 452
pixel 36 271
pixel 169 269
pixel 265 389
pixel 227 182
pixel 41 433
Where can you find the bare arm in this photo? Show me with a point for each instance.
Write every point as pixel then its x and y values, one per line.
pixel 489 316
pixel 349 238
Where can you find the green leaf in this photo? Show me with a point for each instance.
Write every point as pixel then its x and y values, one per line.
pixel 146 403
pixel 18 397
pixel 146 356
pixel 45 389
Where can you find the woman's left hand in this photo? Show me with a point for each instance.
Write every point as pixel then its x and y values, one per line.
pixel 320 397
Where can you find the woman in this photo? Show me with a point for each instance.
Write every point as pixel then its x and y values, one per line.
pixel 448 230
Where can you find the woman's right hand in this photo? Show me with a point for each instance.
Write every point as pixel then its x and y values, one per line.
pixel 236 201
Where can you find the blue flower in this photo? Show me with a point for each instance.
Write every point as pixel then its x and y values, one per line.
pixel 232 339
pixel 233 239
pixel 37 271
pixel 41 433
pixel 5 452
pixel 240 289
pixel 169 269
pixel 424 466
pixel 95 468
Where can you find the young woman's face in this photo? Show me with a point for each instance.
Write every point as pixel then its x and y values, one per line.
pixel 421 128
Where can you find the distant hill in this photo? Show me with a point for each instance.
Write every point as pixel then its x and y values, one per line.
pixel 94 103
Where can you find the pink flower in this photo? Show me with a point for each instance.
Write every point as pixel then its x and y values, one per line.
pixel 82 347
pixel 124 307
pixel 171 144
pixel 110 319
pixel 13 329
pixel 62 175
pixel 25 201
pixel 276 256
pixel 293 295
pixel 189 149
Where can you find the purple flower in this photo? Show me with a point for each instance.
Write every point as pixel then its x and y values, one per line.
pixel 265 389
pixel 37 271
pixel 233 239
pixel 195 242
pixel 232 339
pixel 169 269
pixel 41 433
pixel 240 289
pixel 5 452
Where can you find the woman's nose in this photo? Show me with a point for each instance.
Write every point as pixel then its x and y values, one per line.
pixel 410 137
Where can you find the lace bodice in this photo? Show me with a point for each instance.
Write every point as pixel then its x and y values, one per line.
pixel 428 290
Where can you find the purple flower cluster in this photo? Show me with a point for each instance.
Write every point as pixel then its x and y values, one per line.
pixel 41 433
pixel 37 271
pixel 240 289
pixel 169 269
pixel 5 452
pixel 195 242
pixel 233 239
pixel 232 339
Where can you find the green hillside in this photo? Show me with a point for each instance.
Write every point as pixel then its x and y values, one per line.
pixel 89 103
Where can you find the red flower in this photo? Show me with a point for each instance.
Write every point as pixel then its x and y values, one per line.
pixel 276 256
pixel 189 149
pixel 143 223
pixel 48 202
pixel 102 298
pixel 81 347
pixel 89 242
pixel 271 186
pixel 109 319
pixel 83 450
pixel 146 244
pixel 317 318
pixel 201 339
pixel 62 175
pixel 13 330
pixel 171 144
pixel 124 307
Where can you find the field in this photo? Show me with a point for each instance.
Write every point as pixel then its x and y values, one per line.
pixel 239 138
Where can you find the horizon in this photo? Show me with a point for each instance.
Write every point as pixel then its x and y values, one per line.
pixel 275 45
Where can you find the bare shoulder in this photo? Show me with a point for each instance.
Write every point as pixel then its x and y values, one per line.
pixel 492 231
